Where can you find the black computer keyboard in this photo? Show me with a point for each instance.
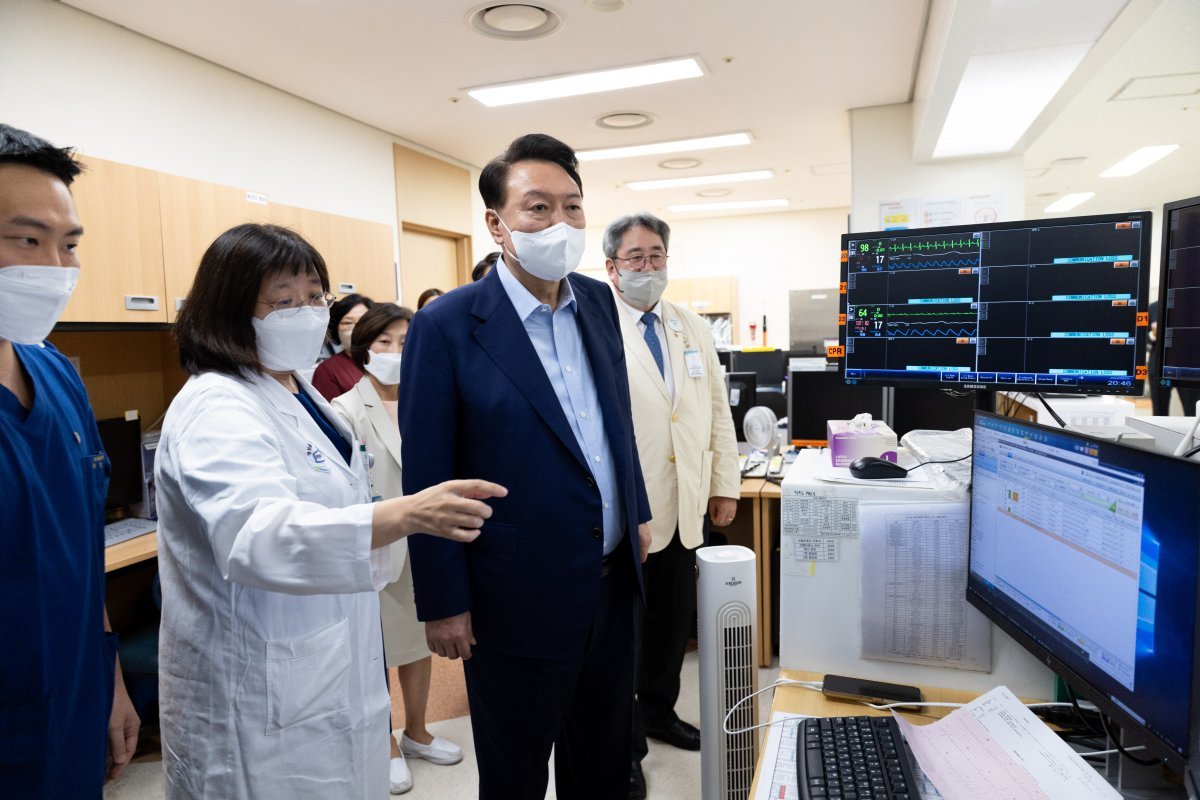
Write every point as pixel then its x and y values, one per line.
pixel 853 758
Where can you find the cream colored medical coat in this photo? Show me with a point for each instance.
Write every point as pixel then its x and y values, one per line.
pixel 271 677
pixel 687 447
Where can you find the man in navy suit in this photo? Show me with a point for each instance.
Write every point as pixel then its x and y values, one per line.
pixel 520 378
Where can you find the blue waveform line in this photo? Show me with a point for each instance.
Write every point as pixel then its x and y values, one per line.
pixel 931 332
pixel 952 262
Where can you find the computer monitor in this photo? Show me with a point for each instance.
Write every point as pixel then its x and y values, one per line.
pixel 1179 296
pixel 930 409
pixel 812 318
pixel 1053 305
pixel 1087 553
pixel 769 366
pixel 743 392
pixel 122 440
pixel 815 397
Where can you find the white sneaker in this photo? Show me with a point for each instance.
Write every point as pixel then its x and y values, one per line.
pixel 439 751
pixel 399 776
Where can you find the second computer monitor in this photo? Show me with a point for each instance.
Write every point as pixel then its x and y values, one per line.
pixel 1046 305
pixel 815 397
pixel 1179 304
pixel 1087 552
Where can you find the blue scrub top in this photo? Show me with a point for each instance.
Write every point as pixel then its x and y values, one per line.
pixel 56 682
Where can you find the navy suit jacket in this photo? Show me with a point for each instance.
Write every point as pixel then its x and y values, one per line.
pixel 475 402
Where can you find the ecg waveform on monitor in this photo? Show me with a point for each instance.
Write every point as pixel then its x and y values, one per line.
pixel 950 244
pixel 948 262
pixel 927 331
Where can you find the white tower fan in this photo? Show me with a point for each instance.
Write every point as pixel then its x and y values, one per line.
pixel 727 613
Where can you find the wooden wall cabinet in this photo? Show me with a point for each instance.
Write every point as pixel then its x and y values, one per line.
pixel 358 253
pixel 716 295
pixel 194 213
pixel 120 253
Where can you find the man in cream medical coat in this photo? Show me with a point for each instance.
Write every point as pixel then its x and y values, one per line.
pixel 689 456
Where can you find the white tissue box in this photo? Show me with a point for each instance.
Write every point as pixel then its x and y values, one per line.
pixel 849 441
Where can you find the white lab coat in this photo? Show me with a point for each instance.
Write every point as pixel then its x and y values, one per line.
pixel 271 676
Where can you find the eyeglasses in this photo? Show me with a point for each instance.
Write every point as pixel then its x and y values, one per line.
pixel 656 260
pixel 288 306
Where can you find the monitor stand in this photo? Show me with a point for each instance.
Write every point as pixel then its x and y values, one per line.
pixel 1141 781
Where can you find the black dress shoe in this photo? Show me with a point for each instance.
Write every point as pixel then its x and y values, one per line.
pixel 637 782
pixel 678 733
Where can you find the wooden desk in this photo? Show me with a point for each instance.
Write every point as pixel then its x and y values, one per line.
pixel 767 521
pixel 800 700
pixel 131 551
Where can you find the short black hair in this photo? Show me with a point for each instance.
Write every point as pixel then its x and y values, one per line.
pixel 342 307
pixel 485 264
pixel 371 326
pixel 428 295
pixel 21 147
pixel 213 328
pixel 493 181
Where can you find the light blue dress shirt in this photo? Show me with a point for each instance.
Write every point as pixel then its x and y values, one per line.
pixel 555 337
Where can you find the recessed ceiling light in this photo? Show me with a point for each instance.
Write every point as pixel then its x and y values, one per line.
pixel 1001 94
pixel 680 163
pixel 733 205
pixel 700 180
pixel 714 192
pixel 605 80
pixel 625 119
pixel 1068 201
pixel 659 148
pixel 605 5
pixel 513 21
pixel 1138 160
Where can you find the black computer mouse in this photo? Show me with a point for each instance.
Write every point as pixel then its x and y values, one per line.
pixel 872 468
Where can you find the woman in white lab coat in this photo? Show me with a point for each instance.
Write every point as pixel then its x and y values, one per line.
pixel 271 553
pixel 369 409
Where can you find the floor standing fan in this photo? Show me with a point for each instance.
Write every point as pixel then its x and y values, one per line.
pixel 726 622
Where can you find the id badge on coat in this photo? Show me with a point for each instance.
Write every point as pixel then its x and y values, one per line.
pixel 695 365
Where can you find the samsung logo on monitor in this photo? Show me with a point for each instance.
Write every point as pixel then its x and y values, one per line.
pixel 974 386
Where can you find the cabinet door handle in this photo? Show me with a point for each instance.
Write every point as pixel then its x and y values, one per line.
pixel 141 302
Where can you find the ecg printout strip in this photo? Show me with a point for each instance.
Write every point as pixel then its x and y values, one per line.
pixel 914 579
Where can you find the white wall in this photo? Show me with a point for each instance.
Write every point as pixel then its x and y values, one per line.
pixel 769 254
pixel 78 80
pixel 882 168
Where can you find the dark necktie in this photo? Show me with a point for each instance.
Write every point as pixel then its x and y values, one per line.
pixel 652 341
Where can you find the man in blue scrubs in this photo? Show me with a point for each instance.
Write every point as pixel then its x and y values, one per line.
pixel 66 723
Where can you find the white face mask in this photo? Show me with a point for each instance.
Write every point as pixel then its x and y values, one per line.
pixel 551 254
pixel 385 367
pixel 289 343
pixel 643 289
pixel 32 299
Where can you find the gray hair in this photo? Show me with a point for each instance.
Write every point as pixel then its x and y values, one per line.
pixel 622 225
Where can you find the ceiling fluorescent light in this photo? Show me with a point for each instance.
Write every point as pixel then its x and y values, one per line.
pixel 1000 96
pixel 1138 160
pixel 658 148
pixel 701 180
pixel 504 94
pixel 1068 201
pixel 734 205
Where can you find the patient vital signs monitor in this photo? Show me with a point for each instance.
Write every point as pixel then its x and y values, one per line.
pixel 1179 284
pixel 1047 305
pixel 1087 552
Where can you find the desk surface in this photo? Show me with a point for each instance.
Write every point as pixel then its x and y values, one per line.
pixel 801 700
pixel 131 551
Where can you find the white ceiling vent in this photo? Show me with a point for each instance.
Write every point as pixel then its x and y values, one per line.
pixel 1184 84
pixel 514 21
